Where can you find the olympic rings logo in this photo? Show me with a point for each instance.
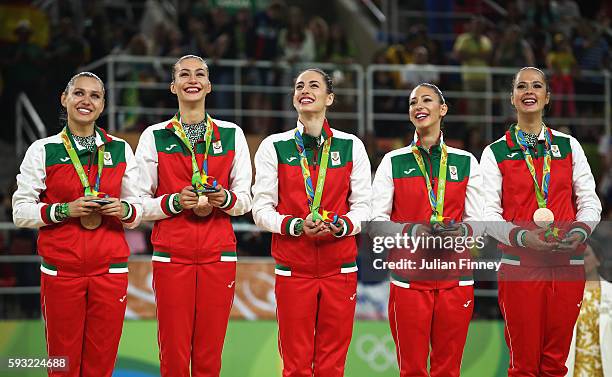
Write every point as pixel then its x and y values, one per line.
pixel 378 353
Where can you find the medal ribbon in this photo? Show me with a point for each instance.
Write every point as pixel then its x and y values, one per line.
pixel 314 195
pixel 71 150
pixel 199 177
pixel 541 193
pixel 435 201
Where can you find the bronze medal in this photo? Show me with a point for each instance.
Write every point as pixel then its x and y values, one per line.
pixel 91 221
pixel 543 217
pixel 203 208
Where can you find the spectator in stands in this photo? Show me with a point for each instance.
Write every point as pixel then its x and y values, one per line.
pixel 267 27
pixel 561 62
pixel 340 47
pixel 435 50
pixel 513 50
pixel 222 47
pixel 199 36
pixel 539 12
pixel 320 33
pixel 385 104
pixel 97 30
pixel 68 51
pixel 567 14
pixel 401 53
pixel 295 40
pixel 473 49
pixel 23 69
pixel 160 39
pixel 591 51
pixel 420 71
pixel 243 45
pixel 24 61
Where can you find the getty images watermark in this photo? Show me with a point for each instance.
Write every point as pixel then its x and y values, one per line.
pixel 390 249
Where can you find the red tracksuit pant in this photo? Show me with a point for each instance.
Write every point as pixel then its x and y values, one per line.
pixel 193 307
pixel 436 317
pixel 83 321
pixel 315 323
pixel 540 309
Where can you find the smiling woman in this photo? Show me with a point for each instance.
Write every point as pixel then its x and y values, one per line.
pixel 411 190
pixel 541 206
pixel 81 214
pixel 313 228
pixel 195 174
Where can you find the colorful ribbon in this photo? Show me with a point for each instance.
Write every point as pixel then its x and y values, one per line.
pixel 200 179
pixel 541 192
pixel 436 201
pixel 68 142
pixel 314 195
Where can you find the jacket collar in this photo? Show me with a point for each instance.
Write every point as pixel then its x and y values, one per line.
pixel 513 143
pixel 326 131
pixel 417 140
pixel 177 118
pixel 101 138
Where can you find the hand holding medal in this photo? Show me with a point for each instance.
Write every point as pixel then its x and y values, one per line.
pixel 316 228
pixel 201 195
pixel 110 207
pixel 85 207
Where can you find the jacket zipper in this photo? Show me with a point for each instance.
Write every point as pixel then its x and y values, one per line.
pixel 315 157
pixel 431 176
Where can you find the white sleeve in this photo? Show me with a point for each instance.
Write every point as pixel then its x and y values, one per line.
pixel 492 179
pixel 30 184
pixel 382 191
pixel 239 200
pixel 129 190
pixel 474 206
pixel 265 189
pixel 360 195
pixel 583 183
pixel 146 159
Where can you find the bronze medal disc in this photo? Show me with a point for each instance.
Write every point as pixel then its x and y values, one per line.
pixel 91 221
pixel 203 208
pixel 543 217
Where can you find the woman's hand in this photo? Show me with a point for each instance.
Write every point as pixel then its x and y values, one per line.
pixel 187 198
pixel 114 208
pixel 315 228
pixel 83 206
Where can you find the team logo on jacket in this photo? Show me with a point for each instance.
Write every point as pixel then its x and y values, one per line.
pixel 555 150
pixel 217 147
pixel 335 157
pixel 453 172
pixel 108 159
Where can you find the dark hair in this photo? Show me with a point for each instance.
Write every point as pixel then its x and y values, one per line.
pixel 83 74
pixel 328 80
pixel 435 89
pixel 534 69
pixel 185 57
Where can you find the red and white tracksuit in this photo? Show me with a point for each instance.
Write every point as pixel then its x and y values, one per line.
pixel 427 310
pixel 539 292
pixel 83 272
pixel 316 280
pixel 194 258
